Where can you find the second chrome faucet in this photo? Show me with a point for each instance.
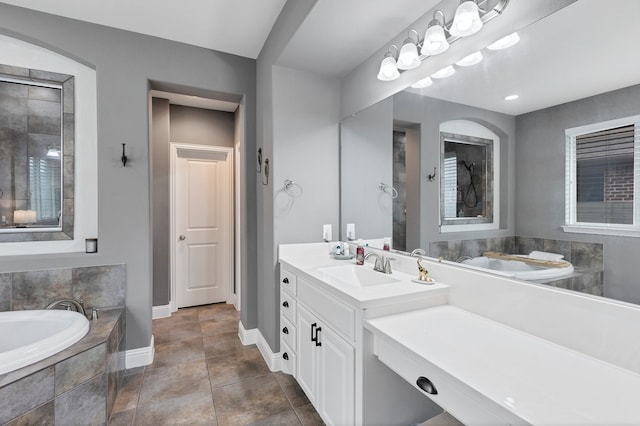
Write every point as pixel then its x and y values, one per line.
pixel 382 263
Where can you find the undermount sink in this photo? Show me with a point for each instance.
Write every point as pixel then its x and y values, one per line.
pixel 358 275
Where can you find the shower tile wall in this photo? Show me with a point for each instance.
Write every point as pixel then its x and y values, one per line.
pixel 99 286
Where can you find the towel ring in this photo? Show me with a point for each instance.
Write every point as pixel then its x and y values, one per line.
pixel 292 189
pixel 388 189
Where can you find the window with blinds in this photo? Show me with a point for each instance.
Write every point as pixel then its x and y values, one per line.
pixel 602 174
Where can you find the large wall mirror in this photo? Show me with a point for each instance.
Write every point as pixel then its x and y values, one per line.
pixel 569 69
pixel 37 144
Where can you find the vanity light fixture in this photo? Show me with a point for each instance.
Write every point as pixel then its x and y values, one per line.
pixel 388 67
pixel 504 42
pixel 408 58
pixel 435 40
pixel 444 72
pixel 466 20
pixel 469 60
pixel 425 82
pixel 511 97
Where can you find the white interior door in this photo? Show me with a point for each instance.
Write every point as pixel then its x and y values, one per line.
pixel 203 189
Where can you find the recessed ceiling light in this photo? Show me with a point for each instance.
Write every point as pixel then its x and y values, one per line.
pixel 505 42
pixel 511 97
pixel 444 72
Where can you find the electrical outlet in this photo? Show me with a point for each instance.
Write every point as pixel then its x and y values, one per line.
pixel 326 232
pixel 351 231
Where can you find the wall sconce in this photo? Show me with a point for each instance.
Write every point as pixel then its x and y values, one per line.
pixel 408 58
pixel 467 20
pixel 435 40
pixel 388 67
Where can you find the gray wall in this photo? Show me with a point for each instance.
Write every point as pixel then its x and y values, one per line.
pixel 366 160
pixel 201 126
pixel 126 63
pixel 540 180
pixel 183 124
pixel 429 113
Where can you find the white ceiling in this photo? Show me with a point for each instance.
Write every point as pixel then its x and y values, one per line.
pixel 232 26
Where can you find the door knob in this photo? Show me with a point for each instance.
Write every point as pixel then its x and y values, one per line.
pixel 182 237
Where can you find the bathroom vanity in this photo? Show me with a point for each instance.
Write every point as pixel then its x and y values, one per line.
pixel 370 348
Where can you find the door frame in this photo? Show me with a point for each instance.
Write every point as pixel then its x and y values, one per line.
pixel 173 156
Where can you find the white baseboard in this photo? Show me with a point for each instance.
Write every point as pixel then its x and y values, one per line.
pixel 141 356
pixel 254 337
pixel 163 311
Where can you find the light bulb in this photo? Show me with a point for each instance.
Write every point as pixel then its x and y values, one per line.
pixel 466 20
pixel 435 41
pixel 388 69
pixel 408 58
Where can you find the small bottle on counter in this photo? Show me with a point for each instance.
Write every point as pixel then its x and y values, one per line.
pixel 387 244
pixel 360 253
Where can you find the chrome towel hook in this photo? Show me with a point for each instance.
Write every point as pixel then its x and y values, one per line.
pixel 259 169
pixel 265 179
pixel 388 189
pixel 292 189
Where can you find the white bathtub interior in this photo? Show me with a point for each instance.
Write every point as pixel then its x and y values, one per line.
pixel 32 335
pixel 520 270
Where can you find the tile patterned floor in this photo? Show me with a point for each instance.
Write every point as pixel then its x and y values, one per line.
pixel 203 375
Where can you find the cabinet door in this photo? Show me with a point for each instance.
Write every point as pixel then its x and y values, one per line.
pixel 336 390
pixel 308 354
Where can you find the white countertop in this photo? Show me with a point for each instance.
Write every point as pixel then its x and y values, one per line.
pixel 538 381
pixel 311 259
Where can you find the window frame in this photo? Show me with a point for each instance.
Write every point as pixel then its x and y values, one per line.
pixel 571 222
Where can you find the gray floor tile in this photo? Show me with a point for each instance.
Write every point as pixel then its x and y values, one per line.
pixel 194 409
pixel 215 327
pixel 247 402
pixel 292 389
pixel 223 344
pixel 128 394
pixel 308 415
pixel 123 418
pixel 160 384
pixel 236 367
pixel 288 418
pixel 177 353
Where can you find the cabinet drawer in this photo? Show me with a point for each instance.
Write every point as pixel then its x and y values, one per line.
pixel 288 281
pixel 341 316
pixel 288 364
pixel 288 332
pixel 288 306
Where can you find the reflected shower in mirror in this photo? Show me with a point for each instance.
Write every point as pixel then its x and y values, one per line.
pixel 36 141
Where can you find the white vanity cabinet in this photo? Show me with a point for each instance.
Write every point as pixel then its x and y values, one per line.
pixel 326 369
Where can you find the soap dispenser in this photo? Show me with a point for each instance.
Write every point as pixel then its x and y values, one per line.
pixel 360 253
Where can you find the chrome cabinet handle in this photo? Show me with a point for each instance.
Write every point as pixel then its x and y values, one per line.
pixel 182 237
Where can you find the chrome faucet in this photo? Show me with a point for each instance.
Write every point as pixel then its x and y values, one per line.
pixel 382 263
pixel 67 304
pixel 418 252
pixel 461 259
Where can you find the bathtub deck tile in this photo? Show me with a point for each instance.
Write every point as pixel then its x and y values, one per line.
pixel 5 292
pixel 87 402
pixel 42 415
pixel 38 386
pixel 80 368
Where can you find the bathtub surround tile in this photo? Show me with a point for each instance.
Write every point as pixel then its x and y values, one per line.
pixel 42 415
pixel 193 409
pixel 474 248
pixel 559 247
pixel 161 384
pixel 250 401
pixel 36 289
pixel 238 367
pixel 528 244
pixel 80 368
pixel 177 353
pixel 85 403
pixel 100 286
pixel 26 394
pixel 588 255
pixel 5 292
